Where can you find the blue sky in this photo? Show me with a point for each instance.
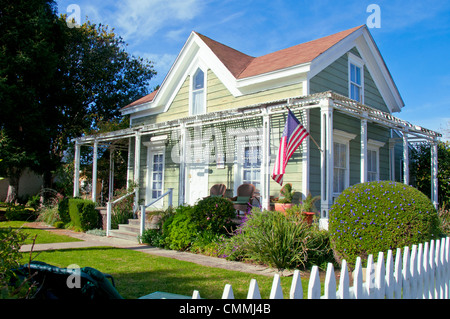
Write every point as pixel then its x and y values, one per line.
pixel 413 38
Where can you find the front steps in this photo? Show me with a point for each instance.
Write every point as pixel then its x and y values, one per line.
pixel 130 231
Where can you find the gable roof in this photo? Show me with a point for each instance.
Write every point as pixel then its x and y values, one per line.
pixel 244 67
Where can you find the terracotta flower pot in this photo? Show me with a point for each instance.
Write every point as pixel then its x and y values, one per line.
pixel 309 217
pixel 281 207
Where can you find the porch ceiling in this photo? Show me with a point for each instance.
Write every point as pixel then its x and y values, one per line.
pixel 338 102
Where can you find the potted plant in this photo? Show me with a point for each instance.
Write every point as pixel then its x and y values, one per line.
pixel 285 200
pixel 309 208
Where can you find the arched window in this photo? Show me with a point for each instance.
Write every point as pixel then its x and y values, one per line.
pixel 198 93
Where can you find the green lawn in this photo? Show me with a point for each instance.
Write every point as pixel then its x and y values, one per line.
pixel 137 274
pixel 43 236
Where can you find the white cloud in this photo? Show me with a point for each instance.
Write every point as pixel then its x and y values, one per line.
pixel 140 19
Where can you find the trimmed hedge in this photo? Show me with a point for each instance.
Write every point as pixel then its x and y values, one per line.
pixel 83 214
pixel 377 216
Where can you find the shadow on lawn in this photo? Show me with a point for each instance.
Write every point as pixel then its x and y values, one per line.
pixel 137 274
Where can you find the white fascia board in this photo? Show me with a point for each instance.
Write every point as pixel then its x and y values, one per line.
pixel 396 100
pixel 371 56
pixel 165 95
pixel 333 53
pixel 291 75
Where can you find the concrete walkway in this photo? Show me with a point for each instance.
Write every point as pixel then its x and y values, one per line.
pixel 88 240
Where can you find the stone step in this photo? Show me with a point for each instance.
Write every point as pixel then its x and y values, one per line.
pixel 127 235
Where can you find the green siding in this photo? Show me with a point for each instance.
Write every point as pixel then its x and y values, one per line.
pixel 335 78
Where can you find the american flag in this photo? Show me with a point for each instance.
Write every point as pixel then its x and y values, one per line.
pixel 293 135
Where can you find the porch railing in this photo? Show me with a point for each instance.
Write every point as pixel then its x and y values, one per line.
pixel 169 193
pixel 109 205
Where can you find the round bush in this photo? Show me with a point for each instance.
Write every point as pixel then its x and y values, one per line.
pixel 377 216
pixel 214 214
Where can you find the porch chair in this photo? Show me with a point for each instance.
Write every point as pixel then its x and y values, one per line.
pixel 217 190
pixel 245 195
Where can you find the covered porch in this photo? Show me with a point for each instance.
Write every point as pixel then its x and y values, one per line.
pixel 141 140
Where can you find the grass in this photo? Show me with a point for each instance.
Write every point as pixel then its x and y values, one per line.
pixel 137 274
pixel 43 236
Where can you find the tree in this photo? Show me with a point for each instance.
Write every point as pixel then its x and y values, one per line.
pixel 29 58
pixel 420 169
pixel 57 83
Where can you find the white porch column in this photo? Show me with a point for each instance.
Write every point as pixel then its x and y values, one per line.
pixel 182 175
pixel 405 158
pixel 137 165
pixel 327 163
pixel 94 172
pixel 434 173
pixel 392 157
pixel 76 177
pixel 111 175
pixel 363 160
pixel 305 156
pixel 265 192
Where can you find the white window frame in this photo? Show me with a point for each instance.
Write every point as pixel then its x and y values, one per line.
pixel 193 91
pixel 154 148
pixel 359 63
pixel 374 146
pixel 344 138
pixel 242 142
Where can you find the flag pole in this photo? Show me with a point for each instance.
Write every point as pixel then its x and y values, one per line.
pixel 312 138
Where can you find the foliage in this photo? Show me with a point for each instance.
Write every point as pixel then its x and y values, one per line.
pixel 272 238
pixel 83 214
pixel 377 216
pixel 63 210
pixel 214 214
pixel 122 210
pixel 420 168
pixel 286 194
pixel 50 215
pixel 179 231
pixel 10 256
pixel 20 213
pixel 444 218
pixel 309 203
pixel 72 79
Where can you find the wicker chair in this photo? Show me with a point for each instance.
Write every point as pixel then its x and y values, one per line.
pixel 217 190
pixel 244 198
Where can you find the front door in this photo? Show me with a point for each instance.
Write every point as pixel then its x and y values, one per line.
pixel 196 182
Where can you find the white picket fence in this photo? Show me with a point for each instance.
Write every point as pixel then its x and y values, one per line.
pixel 422 272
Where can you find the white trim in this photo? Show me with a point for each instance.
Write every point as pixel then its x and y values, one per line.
pixel 193 71
pixel 359 63
pixel 344 138
pixel 156 147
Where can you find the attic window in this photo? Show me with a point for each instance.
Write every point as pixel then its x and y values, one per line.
pixel 198 93
pixel 356 78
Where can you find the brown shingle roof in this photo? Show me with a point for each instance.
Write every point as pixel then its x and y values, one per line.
pixel 296 55
pixel 242 65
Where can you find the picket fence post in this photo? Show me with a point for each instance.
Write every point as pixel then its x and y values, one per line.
pixel 420 272
pixel 296 291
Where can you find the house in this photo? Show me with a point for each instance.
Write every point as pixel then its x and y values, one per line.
pixel 219 115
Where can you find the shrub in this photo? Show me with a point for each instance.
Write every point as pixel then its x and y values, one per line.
pixel 10 242
pixel 272 238
pixel 20 213
pixel 122 210
pixel 214 214
pixel 179 231
pixel 83 214
pixel 50 215
pixel 377 216
pixel 63 210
